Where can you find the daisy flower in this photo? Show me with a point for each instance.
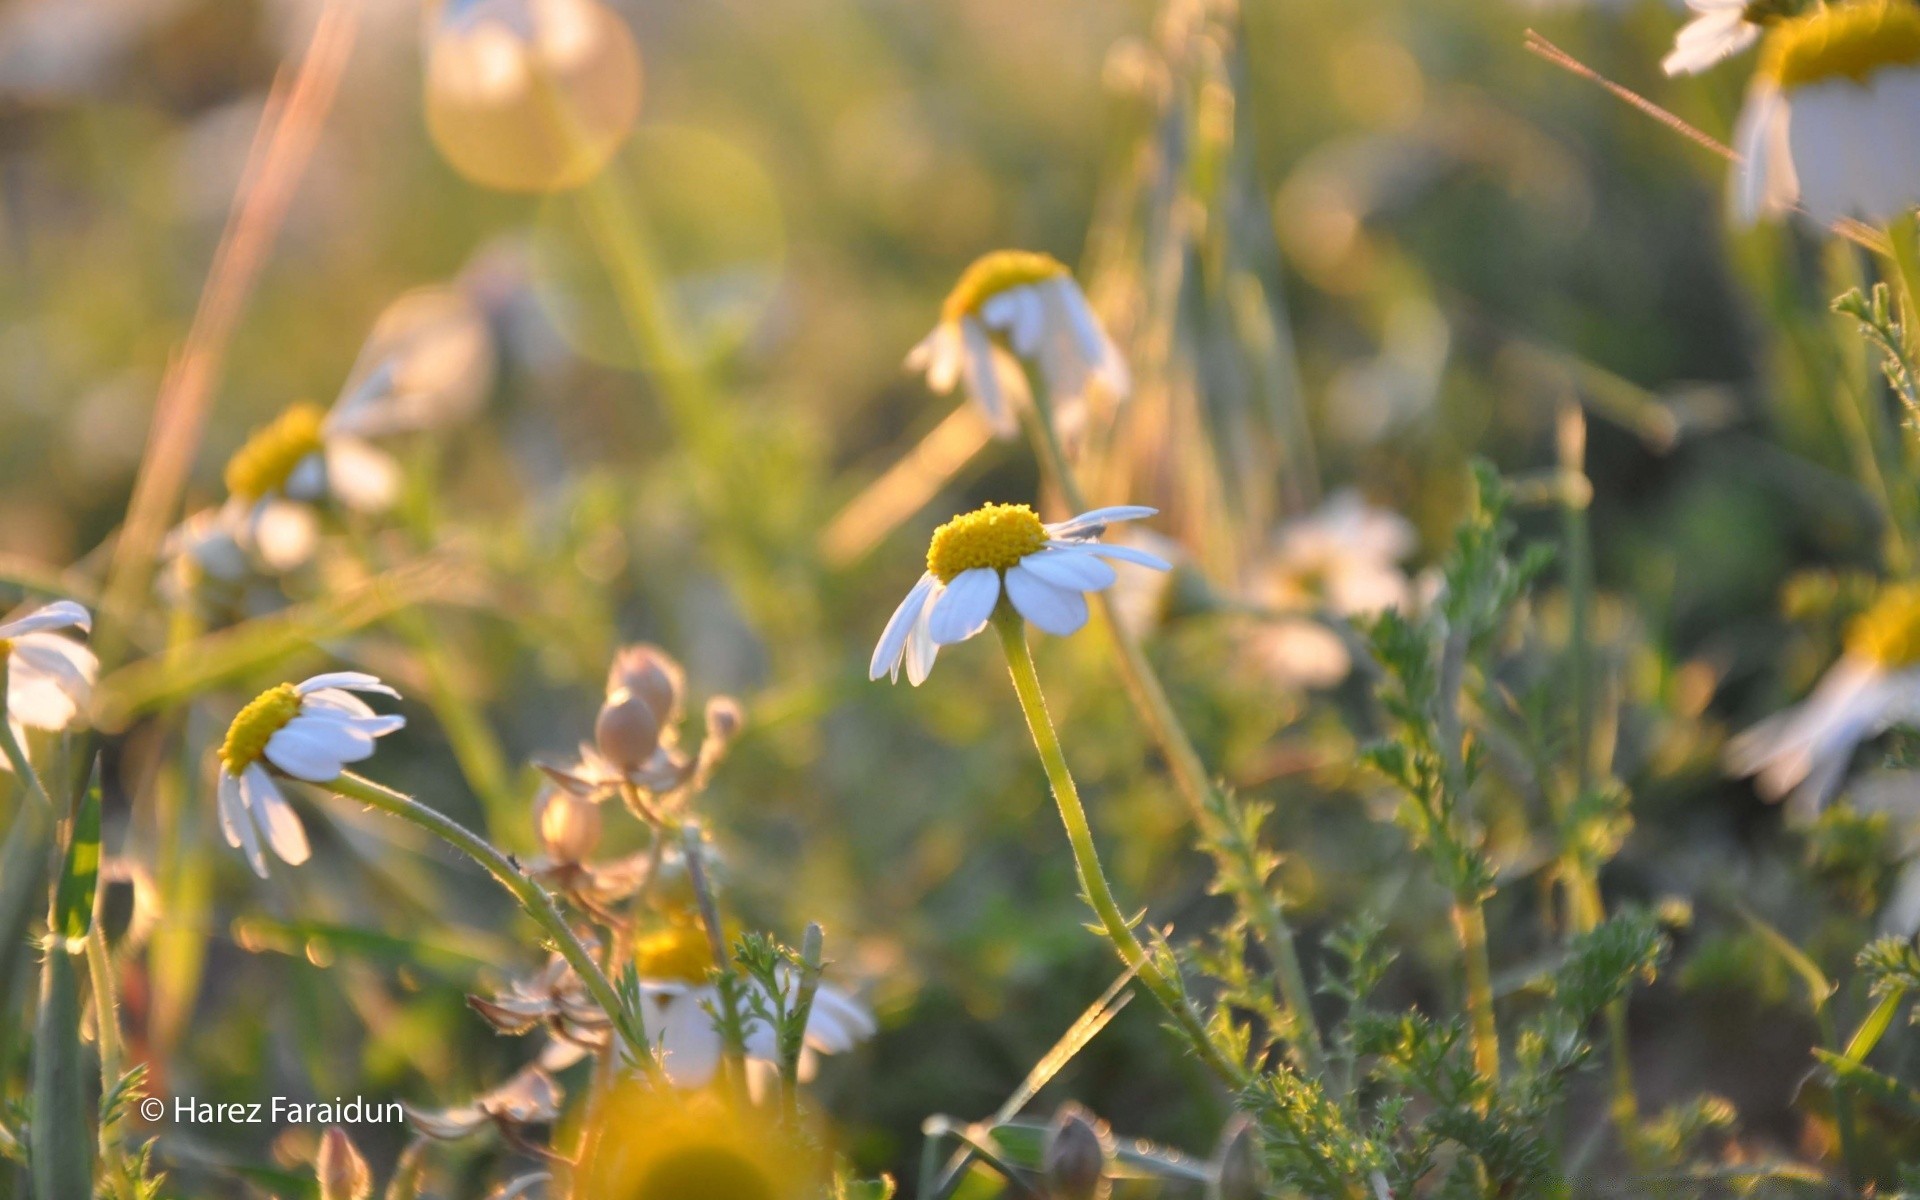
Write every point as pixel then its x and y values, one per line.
pixel 1343 560
pixel 1719 30
pixel 1014 307
pixel 1803 753
pixel 1044 571
pixel 678 1004
pixel 1829 119
pixel 49 677
pixel 309 730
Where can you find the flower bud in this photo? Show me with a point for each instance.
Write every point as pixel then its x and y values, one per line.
pixel 1074 1162
pixel 343 1174
pixel 1238 1173
pixel 725 718
pixel 627 731
pixel 651 675
pixel 569 825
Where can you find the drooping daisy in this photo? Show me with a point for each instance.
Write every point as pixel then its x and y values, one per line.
pixel 310 731
pixel 1803 753
pixel 1719 30
pixel 1044 571
pixel 1829 119
pixel 49 677
pixel 1013 306
pixel 1341 561
pixel 678 1005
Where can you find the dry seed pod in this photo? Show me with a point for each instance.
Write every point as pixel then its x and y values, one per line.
pixel 1074 1163
pixel 343 1174
pixel 627 731
pixel 650 674
pixel 569 825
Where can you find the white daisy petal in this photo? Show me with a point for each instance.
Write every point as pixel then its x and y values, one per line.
pixel 921 648
pixel 965 607
pixel 306 755
pixel 981 371
pixel 353 681
pixel 337 737
pixel 335 701
pixel 61 614
pixel 232 808
pixel 308 479
pixel 689 1044
pixel 893 639
pixel 276 817
pixel 237 823
pixel 361 477
pixel 1131 554
pixel 1070 568
pixel 1059 611
pixel 1100 518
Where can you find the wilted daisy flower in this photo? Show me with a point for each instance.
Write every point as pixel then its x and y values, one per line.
pixel 1829 119
pixel 49 677
pixel 678 1005
pixel 1342 561
pixel 1013 306
pixel 1719 30
pixel 309 730
pixel 1804 751
pixel 1044 571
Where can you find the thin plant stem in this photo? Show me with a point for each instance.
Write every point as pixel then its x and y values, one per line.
pixel 532 897
pixel 1470 926
pixel 1842 1098
pixel 794 1036
pixel 1086 856
pixel 106 1008
pixel 1190 775
pixel 1585 906
pixel 732 1037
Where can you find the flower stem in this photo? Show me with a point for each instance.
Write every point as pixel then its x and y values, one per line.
pixel 732 1030
pixel 1223 838
pixel 532 897
pixel 1086 857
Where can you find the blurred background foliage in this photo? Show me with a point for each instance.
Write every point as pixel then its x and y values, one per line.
pixel 1382 236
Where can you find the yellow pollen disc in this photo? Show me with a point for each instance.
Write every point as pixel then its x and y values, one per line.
pixel 6 647
pixel 264 464
pixel 1888 633
pixel 997 536
pixel 994 273
pixel 1842 41
pixel 258 721
pixel 679 952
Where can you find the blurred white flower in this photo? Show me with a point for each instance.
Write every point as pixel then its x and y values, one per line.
pixel 1803 753
pixel 678 1006
pixel 1829 120
pixel 1044 570
pixel 531 1097
pixel 427 364
pixel 1719 30
pixel 309 730
pixel 50 677
pixel 1010 307
pixel 1341 561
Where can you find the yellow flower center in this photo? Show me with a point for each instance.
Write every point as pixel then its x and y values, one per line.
pixel 997 536
pixel 6 647
pixel 265 463
pixel 712 1172
pixel 994 273
pixel 1888 633
pixel 258 721
pixel 1842 41
pixel 679 952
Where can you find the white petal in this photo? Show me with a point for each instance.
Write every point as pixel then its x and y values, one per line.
pixel 308 479
pixel 1074 568
pixel 276 817
pixel 982 373
pixel 689 1042
pixel 893 639
pixel 939 355
pixel 283 533
pixel 239 828
pixel 50 680
pixel 1059 611
pixel 353 681
pixel 853 1022
pixel 1100 518
pixel 1764 181
pixel 362 478
pixel 1716 34
pixel 306 755
pixel 348 736
pixel 232 808
pixel 333 701
pixel 1129 554
pixel 921 648
pixel 964 608
pixel 61 614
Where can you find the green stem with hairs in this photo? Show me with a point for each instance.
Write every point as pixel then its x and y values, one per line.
pixel 732 1026
pixel 1086 857
pixel 1223 838
pixel 532 897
